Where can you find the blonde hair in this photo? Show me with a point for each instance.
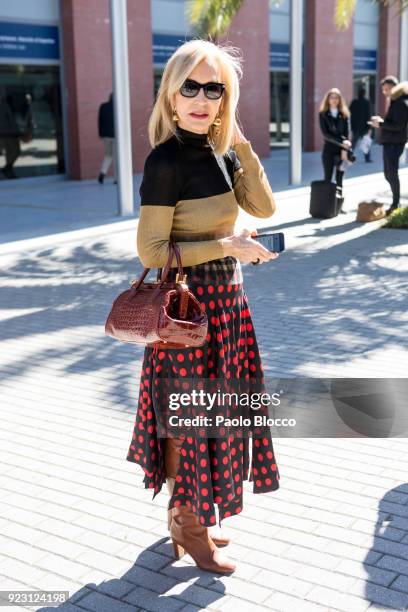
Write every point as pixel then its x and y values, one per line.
pixel 161 125
pixel 343 108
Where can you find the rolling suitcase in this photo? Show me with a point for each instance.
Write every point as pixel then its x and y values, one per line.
pixel 325 200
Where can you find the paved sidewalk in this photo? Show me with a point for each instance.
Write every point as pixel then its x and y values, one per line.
pixel 74 514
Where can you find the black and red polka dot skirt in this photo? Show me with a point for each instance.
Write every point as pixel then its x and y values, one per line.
pixel 212 470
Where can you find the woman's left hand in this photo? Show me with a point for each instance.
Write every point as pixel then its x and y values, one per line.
pixel 347 143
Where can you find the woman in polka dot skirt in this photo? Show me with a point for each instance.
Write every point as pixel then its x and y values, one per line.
pixel 200 171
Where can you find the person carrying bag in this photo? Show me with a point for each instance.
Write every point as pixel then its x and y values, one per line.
pixel 334 120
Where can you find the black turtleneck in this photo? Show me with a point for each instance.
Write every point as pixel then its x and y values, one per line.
pixel 185 167
pixel 193 138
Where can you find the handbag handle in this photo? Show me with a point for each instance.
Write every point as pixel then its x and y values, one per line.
pixel 179 264
pixel 182 288
pixel 173 249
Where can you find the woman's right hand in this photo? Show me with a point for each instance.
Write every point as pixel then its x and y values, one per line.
pixel 243 247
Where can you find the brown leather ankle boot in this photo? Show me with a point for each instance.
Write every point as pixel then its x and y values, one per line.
pixel 172 463
pixel 188 535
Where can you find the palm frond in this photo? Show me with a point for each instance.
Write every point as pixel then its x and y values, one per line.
pixel 211 17
pixel 344 12
pixel 195 10
pixel 402 4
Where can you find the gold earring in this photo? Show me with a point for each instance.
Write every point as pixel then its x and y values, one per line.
pixel 175 116
pixel 216 124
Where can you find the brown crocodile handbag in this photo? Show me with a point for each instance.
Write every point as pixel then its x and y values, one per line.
pixel 160 314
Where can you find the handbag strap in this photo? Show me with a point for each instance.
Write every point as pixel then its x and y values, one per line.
pixel 223 166
pixel 173 250
pixel 181 287
pixel 176 250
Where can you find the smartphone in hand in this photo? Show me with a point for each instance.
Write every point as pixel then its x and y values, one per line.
pixel 379 119
pixel 273 241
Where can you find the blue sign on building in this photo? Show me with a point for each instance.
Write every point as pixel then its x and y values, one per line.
pixel 29 41
pixel 365 60
pixel 164 45
pixel 279 56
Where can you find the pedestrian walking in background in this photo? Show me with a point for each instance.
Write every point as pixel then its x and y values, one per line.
pixel 9 136
pixel 334 119
pixel 28 119
pixel 392 132
pixel 360 110
pixel 200 171
pixel 106 128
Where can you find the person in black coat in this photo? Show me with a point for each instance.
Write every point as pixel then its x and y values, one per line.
pixel 360 109
pixel 334 119
pixel 9 136
pixel 393 133
pixel 106 129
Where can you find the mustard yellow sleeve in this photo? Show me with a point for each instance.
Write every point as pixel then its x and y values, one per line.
pixel 159 193
pixel 251 186
pixel 153 235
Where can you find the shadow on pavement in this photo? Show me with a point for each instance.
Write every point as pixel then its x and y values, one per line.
pixel 388 554
pixel 74 289
pixel 163 584
pixel 331 305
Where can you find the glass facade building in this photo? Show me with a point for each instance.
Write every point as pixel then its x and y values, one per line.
pixel 31 126
pixel 34 139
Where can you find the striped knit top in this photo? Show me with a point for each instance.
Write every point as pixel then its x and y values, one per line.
pixel 189 196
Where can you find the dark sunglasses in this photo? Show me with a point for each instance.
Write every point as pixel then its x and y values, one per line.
pixel 212 90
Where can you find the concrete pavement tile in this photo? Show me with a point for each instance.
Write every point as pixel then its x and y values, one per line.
pixel 286 603
pixel 148 600
pixel 98 602
pixel 337 600
pixel 400 584
pixel 365 571
pixel 102 561
pixel 153 580
pixel 241 588
pixel 390 562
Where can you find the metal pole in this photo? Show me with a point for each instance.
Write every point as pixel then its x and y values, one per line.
pixel 404 46
pixel 404 61
pixel 121 105
pixel 64 102
pixel 295 88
